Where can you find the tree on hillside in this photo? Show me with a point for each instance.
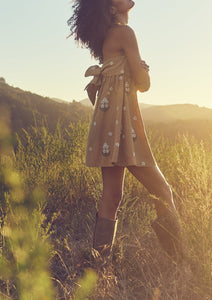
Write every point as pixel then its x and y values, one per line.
pixel 2 80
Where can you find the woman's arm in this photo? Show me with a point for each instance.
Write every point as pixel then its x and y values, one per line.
pixel 138 67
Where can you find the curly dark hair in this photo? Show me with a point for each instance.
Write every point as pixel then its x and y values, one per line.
pixel 89 23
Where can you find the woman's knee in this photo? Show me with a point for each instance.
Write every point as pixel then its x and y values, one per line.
pixel 113 182
pixel 167 191
pixel 165 197
pixel 112 197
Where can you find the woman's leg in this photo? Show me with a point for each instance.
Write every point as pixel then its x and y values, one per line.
pixel 113 182
pixel 166 226
pixel 106 222
pixel 155 182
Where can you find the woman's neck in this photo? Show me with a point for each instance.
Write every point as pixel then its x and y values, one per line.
pixel 122 19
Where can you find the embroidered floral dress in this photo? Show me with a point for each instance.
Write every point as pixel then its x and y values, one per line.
pixel 117 134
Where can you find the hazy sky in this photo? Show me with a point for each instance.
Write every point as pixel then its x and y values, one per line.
pixel 174 39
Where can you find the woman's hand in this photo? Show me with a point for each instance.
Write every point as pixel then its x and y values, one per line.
pixel 144 65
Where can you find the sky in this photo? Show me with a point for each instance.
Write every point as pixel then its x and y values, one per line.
pixel 174 39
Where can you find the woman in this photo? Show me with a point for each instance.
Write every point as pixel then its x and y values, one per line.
pixel 117 136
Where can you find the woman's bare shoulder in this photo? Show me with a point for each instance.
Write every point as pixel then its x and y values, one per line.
pixel 117 39
pixel 121 29
pixel 120 34
pixel 124 34
pixel 127 33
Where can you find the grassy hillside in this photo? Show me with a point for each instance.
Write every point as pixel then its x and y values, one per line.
pixel 26 107
pixel 48 203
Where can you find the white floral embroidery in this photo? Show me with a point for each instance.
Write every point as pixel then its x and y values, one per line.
pixel 122 72
pixel 94 123
pixel 124 107
pixel 143 163
pixel 135 118
pixel 111 62
pixel 120 77
pixel 117 144
pixel 90 148
pixel 111 88
pixel 127 89
pixel 105 149
pixel 133 134
pixel 133 153
pixel 104 104
pixel 110 133
pixel 117 121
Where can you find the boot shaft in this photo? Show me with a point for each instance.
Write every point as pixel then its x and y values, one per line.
pixel 104 234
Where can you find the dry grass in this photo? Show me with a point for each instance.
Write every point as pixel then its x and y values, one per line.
pixel 139 269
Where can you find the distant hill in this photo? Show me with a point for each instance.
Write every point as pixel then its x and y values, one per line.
pixel 170 113
pixel 144 105
pixel 23 106
pixel 86 102
pixel 179 118
pixel 59 100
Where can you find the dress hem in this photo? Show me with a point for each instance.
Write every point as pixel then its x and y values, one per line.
pixel 122 165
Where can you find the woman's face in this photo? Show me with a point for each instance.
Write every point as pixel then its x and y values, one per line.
pixel 122 6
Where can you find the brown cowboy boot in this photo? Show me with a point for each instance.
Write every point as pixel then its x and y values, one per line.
pixel 170 235
pixel 104 236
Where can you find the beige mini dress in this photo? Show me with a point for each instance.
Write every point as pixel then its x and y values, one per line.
pixel 117 134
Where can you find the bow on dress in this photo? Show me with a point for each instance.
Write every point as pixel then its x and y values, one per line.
pixel 95 83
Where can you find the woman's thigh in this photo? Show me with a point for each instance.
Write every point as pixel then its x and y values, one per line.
pixel 113 180
pixel 153 180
